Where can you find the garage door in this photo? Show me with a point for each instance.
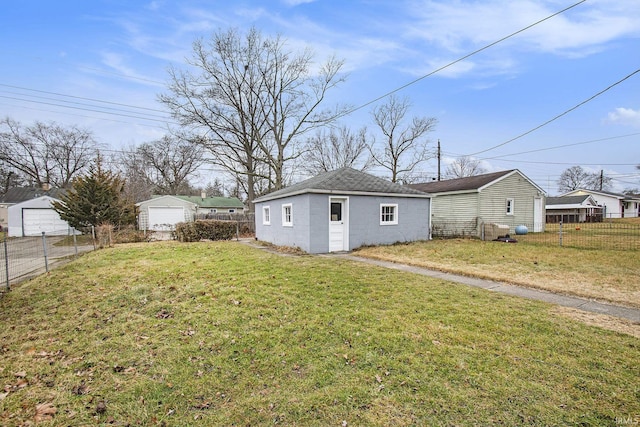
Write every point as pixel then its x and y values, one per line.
pixel 165 218
pixel 35 221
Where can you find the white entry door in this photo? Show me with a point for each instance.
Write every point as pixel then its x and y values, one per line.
pixel 338 225
pixel 538 215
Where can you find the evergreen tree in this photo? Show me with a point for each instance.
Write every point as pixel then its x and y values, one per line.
pixel 96 199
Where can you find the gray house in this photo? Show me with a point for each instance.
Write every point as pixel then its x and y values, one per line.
pixel 342 210
pixel 462 206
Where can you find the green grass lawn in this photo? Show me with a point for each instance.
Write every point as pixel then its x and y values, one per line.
pixel 226 334
pixel 606 275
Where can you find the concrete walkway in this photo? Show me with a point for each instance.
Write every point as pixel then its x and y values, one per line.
pixel 628 313
pixel 632 314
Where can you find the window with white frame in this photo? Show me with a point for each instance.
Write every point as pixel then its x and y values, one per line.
pixel 510 206
pixel 388 214
pixel 232 211
pixel 287 215
pixel 266 215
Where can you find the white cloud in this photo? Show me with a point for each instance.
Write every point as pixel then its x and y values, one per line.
pixel 459 25
pixel 625 116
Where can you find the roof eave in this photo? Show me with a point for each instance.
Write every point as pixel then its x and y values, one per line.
pixel 266 198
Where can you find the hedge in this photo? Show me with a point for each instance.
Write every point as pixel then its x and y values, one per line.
pixel 206 230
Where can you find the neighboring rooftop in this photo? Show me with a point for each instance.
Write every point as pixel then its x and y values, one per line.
pixel 345 181
pixel 210 202
pixel 460 184
pixel 567 200
pixel 22 194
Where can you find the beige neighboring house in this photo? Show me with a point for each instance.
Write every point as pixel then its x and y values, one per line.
pixel 162 213
pixel 462 206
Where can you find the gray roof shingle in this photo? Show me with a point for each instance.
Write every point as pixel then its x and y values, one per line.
pixel 460 184
pixel 21 194
pixel 567 200
pixel 344 180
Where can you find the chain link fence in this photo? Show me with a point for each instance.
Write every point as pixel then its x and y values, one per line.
pixel 614 234
pixel 24 257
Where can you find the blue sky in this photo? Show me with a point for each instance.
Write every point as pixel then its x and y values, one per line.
pixel 108 60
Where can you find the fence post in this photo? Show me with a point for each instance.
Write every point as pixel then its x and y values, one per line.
pixel 75 240
pixel 6 261
pixel 44 245
pixel 237 230
pixel 560 233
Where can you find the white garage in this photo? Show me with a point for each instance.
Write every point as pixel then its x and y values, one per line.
pixel 162 213
pixel 165 217
pixel 35 221
pixel 32 217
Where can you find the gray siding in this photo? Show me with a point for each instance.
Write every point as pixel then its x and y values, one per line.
pixel 365 228
pixel 296 236
pixel 310 231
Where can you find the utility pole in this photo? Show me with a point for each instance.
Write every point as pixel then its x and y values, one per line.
pixel 438 159
pixel 601 178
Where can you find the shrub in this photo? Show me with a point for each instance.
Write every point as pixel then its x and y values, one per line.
pixel 205 230
pixel 131 235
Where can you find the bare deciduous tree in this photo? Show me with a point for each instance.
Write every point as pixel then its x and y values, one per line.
pixel 575 177
pixel 335 149
pixel 463 167
pixel 9 178
pixel 46 152
pixel 250 102
pixel 165 165
pixel 404 145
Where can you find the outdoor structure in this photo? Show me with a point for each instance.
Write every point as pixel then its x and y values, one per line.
pixel 35 216
pixel 614 205
pixel 162 213
pixel 342 210
pixel 461 206
pixel 17 195
pixel 573 209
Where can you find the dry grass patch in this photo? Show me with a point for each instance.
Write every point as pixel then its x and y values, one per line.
pixel 605 275
pixel 600 320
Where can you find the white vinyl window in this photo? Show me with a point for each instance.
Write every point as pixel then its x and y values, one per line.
pixel 388 214
pixel 510 206
pixel 266 215
pixel 287 215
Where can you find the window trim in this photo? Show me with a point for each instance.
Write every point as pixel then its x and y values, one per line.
pixel 394 221
pixel 510 206
pixel 266 215
pixel 288 223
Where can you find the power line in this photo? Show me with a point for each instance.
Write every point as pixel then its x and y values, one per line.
pixel 565 164
pixel 84 116
pixel 83 98
pixel 353 110
pixel 561 146
pixel 559 115
pixel 78 103
pixel 88 109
